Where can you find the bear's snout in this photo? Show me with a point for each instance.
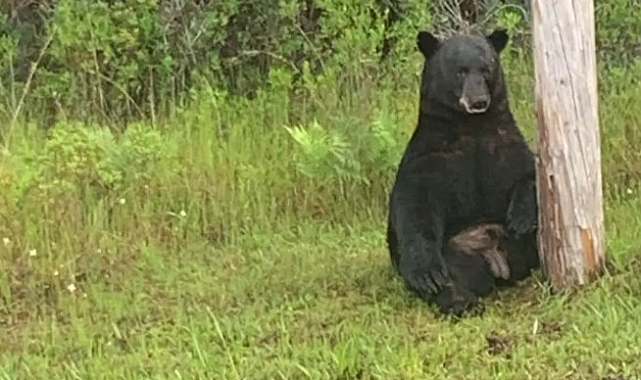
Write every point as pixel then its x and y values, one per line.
pixel 475 97
pixel 478 104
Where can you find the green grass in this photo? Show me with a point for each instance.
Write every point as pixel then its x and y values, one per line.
pixel 199 248
pixel 319 304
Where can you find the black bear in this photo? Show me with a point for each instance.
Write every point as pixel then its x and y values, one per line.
pixel 463 208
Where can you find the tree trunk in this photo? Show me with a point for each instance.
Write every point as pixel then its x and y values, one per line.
pixel 571 233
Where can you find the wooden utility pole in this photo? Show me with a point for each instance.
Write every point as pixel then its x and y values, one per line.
pixel 571 227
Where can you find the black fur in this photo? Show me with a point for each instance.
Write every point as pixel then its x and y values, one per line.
pixel 463 166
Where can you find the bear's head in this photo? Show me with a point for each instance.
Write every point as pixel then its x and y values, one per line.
pixel 462 72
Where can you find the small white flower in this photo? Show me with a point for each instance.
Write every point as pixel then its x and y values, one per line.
pixel 122 201
pixel 629 191
pixel 183 213
pixel 56 273
pixel 6 241
pixel 33 252
pixel 71 288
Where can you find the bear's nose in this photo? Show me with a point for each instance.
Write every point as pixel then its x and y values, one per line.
pixel 480 104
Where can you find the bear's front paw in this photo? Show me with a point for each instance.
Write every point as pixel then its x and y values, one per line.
pixel 457 302
pixel 522 212
pixel 521 221
pixel 426 279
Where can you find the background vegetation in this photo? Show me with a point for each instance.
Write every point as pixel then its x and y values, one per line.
pixel 197 189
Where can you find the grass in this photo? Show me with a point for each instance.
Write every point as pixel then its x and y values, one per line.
pixel 198 248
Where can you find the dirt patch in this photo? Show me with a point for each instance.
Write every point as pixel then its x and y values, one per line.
pixel 551 329
pixel 498 344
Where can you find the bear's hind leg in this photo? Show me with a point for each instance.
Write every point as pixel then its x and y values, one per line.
pixel 475 258
pixel 470 280
pixel 522 257
pixel 471 273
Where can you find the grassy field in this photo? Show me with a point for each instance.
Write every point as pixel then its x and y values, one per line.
pixel 220 245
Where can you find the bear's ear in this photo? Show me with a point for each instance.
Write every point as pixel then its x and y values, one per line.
pixel 427 43
pixel 498 39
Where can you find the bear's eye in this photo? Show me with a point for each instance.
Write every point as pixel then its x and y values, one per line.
pixel 485 72
pixel 461 73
